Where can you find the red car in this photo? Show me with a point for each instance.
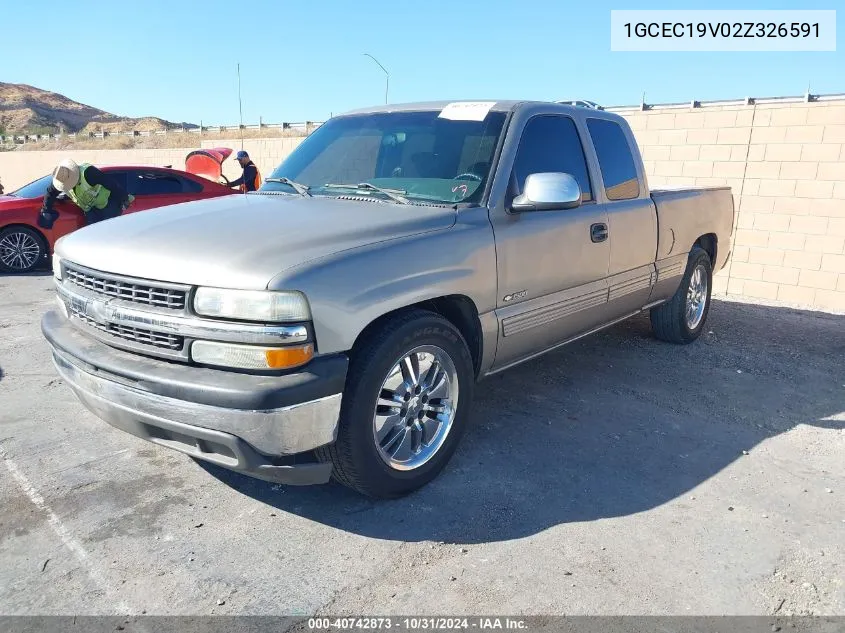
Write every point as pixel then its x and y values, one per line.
pixel 24 245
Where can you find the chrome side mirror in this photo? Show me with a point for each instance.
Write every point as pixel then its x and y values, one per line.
pixel 547 192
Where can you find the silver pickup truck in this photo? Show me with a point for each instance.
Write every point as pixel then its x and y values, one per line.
pixel 335 322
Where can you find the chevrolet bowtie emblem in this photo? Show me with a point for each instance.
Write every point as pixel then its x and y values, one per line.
pixel 99 311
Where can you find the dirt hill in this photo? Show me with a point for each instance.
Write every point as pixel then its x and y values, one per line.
pixel 25 109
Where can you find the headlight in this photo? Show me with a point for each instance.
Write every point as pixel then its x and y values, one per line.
pixel 57 266
pixel 250 356
pixel 252 305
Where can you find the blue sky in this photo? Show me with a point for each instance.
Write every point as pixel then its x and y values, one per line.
pixel 304 60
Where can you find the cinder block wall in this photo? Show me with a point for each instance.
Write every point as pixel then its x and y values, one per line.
pixel 785 163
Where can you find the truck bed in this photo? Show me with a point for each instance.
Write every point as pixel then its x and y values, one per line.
pixel 685 213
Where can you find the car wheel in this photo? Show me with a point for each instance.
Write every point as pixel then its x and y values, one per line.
pixel 682 318
pixel 405 406
pixel 21 249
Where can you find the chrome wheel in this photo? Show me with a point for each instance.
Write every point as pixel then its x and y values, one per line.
pixel 19 250
pixel 415 408
pixel 696 297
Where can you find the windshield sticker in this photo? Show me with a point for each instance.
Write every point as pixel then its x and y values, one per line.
pixel 467 110
pixel 460 188
pixel 462 191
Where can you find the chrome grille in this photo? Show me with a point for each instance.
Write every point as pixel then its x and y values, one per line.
pixel 134 334
pixel 126 290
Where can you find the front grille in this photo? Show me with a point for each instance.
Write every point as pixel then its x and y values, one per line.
pixel 134 334
pixel 126 290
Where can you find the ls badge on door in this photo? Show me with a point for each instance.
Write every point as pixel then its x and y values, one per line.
pixel 515 296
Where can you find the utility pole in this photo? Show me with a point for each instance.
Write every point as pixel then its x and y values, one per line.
pixel 386 76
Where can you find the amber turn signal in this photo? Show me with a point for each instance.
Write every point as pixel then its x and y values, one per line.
pixel 287 357
pixel 250 356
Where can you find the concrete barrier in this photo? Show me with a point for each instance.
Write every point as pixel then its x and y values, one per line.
pixel 18 168
pixel 785 162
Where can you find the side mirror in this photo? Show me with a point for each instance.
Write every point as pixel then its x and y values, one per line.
pixel 548 192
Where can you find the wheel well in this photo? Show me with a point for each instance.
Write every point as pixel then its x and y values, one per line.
pixel 459 310
pixel 709 244
pixel 44 241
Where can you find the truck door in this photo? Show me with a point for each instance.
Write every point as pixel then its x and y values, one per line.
pixel 551 264
pixel 632 216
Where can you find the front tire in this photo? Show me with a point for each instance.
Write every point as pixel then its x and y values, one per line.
pixel 22 249
pixel 681 320
pixel 406 405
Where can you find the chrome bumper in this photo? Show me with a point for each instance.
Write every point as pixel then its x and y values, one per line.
pixel 250 441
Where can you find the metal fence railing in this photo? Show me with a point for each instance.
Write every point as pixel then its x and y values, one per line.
pixel 303 128
pixel 307 127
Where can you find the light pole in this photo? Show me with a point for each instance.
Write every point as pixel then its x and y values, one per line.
pixel 386 75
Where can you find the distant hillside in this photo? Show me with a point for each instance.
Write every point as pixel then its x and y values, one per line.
pixel 28 110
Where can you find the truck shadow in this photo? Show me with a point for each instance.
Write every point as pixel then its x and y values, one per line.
pixel 615 424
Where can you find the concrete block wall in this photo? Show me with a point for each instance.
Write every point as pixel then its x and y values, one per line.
pixel 18 168
pixel 785 163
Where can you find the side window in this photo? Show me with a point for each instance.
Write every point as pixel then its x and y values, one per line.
pixel 118 176
pixel 551 143
pixel 151 184
pixel 190 186
pixel 615 159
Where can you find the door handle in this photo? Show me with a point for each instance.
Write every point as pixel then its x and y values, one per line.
pixel 598 232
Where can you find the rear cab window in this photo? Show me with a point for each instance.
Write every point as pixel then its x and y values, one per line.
pixel 550 143
pixel 616 161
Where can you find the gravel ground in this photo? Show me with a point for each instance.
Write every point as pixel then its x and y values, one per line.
pixel 608 477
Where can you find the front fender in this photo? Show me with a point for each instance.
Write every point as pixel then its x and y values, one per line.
pixel 351 289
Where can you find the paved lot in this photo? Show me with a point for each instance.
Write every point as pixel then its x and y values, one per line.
pixel 608 477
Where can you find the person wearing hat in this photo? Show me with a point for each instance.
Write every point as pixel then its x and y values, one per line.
pixel 251 179
pixel 98 195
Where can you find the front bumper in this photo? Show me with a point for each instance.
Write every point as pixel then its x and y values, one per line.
pixel 256 424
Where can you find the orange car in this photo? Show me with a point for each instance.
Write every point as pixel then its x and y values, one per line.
pixel 24 245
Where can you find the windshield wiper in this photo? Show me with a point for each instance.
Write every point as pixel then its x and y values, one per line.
pixel 301 189
pixel 394 194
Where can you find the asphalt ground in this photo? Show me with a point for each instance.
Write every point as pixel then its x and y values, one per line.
pixel 618 475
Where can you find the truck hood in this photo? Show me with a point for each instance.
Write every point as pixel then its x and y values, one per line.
pixel 241 241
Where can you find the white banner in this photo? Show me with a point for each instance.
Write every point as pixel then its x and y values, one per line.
pixel 723 30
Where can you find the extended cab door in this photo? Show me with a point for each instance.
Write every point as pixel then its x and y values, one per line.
pixel 632 217
pixel 551 264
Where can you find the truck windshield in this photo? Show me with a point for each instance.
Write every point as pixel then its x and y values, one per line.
pixel 425 157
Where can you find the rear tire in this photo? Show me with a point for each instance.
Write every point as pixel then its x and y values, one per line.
pixel 405 407
pixel 681 320
pixel 22 249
